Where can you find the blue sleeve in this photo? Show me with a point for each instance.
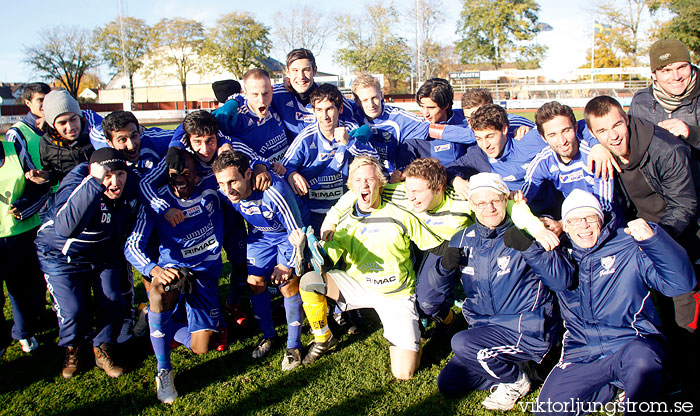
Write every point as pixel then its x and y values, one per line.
pixel 158 139
pixel 471 163
pixel 295 156
pixel 552 267
pixel 178 139
pixel 534 176
pixel 665 264
pixel 458 134
pixel 149 185
pixel 14 136
pixel 77 200
pixel 585 135
pixel 135 248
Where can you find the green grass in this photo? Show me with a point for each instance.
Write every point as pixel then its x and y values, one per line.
pixel 354 380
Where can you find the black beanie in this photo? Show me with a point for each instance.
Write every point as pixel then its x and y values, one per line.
pixel 109 157
pixel 224 89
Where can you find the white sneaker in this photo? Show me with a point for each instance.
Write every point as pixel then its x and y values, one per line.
pixel 29 344
pixel 165 386
pixel 504 396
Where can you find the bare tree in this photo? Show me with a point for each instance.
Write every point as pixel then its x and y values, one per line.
pixel 179 42
pixel 426 16
pixel 624 17
pixel 64 53
pixel 124 42
pixel 301 28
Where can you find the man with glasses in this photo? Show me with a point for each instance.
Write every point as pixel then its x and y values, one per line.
pixel 612 338
pixel 509 306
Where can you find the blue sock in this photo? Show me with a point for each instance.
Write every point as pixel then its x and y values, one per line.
pixel 160 337
pixel 236 285
pixel 262 308
pixel 183 335
pixel 295 316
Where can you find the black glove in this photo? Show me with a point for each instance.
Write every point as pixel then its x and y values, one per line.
pixel 185 284
pixel 451 258
pixel 517 239
pixel 687 307
pixel 175 159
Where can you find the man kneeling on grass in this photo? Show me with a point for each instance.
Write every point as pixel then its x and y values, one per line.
pixel 374 241
pixel 184 280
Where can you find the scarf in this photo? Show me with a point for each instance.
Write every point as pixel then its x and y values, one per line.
pixel 669 101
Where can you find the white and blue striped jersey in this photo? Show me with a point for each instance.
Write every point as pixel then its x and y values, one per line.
pixel 195 243
pixel 158 176
pixel 297 116
pixel 395 125
pixel 324 164
pixel 546 166
pixel 274 210
pixel 154 146
pixel 266 136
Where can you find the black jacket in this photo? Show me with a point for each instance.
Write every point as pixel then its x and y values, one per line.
pixel 58 157
pixel 667 167
pixel 645 106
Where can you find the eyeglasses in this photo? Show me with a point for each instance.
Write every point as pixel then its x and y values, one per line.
pixel 577 222
pixel 482 205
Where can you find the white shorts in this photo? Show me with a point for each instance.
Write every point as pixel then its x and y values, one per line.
pixel 398 315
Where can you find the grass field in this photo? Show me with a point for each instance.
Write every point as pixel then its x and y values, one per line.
pixel 354 380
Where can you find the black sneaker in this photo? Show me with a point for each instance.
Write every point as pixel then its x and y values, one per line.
pixel 346 323
pixel 318 349
pixel 263 347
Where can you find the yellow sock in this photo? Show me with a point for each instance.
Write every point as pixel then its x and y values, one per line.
pixel 450 317
pixel 315 307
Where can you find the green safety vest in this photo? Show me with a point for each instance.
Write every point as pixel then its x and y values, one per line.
pixel 11 188
pixel 32 139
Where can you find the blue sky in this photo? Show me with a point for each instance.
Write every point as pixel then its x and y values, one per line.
pixel 22 21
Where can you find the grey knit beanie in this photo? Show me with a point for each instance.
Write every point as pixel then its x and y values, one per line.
pixel 59 102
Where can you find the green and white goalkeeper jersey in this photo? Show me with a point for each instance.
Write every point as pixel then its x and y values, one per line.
pixel 376 248
pixel 452 215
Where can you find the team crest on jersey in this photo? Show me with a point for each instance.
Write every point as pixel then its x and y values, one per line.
pixel 192 211
pixel 268 214
pixel 338 157
pixel 502 263
pixel 387 136
pixel 607 262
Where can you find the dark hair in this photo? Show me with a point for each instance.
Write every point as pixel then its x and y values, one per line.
pixel 200 123
pixel 33 88
pixel 550 110
pixel 231 158
pixel 301 53
pixel 117 120
pixel 476 97
pixel 257 73
pixel 490 116
pixel 437 89
pixel 600 106
pixel 327 91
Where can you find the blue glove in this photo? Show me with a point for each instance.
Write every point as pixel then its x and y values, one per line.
pixel 226 115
